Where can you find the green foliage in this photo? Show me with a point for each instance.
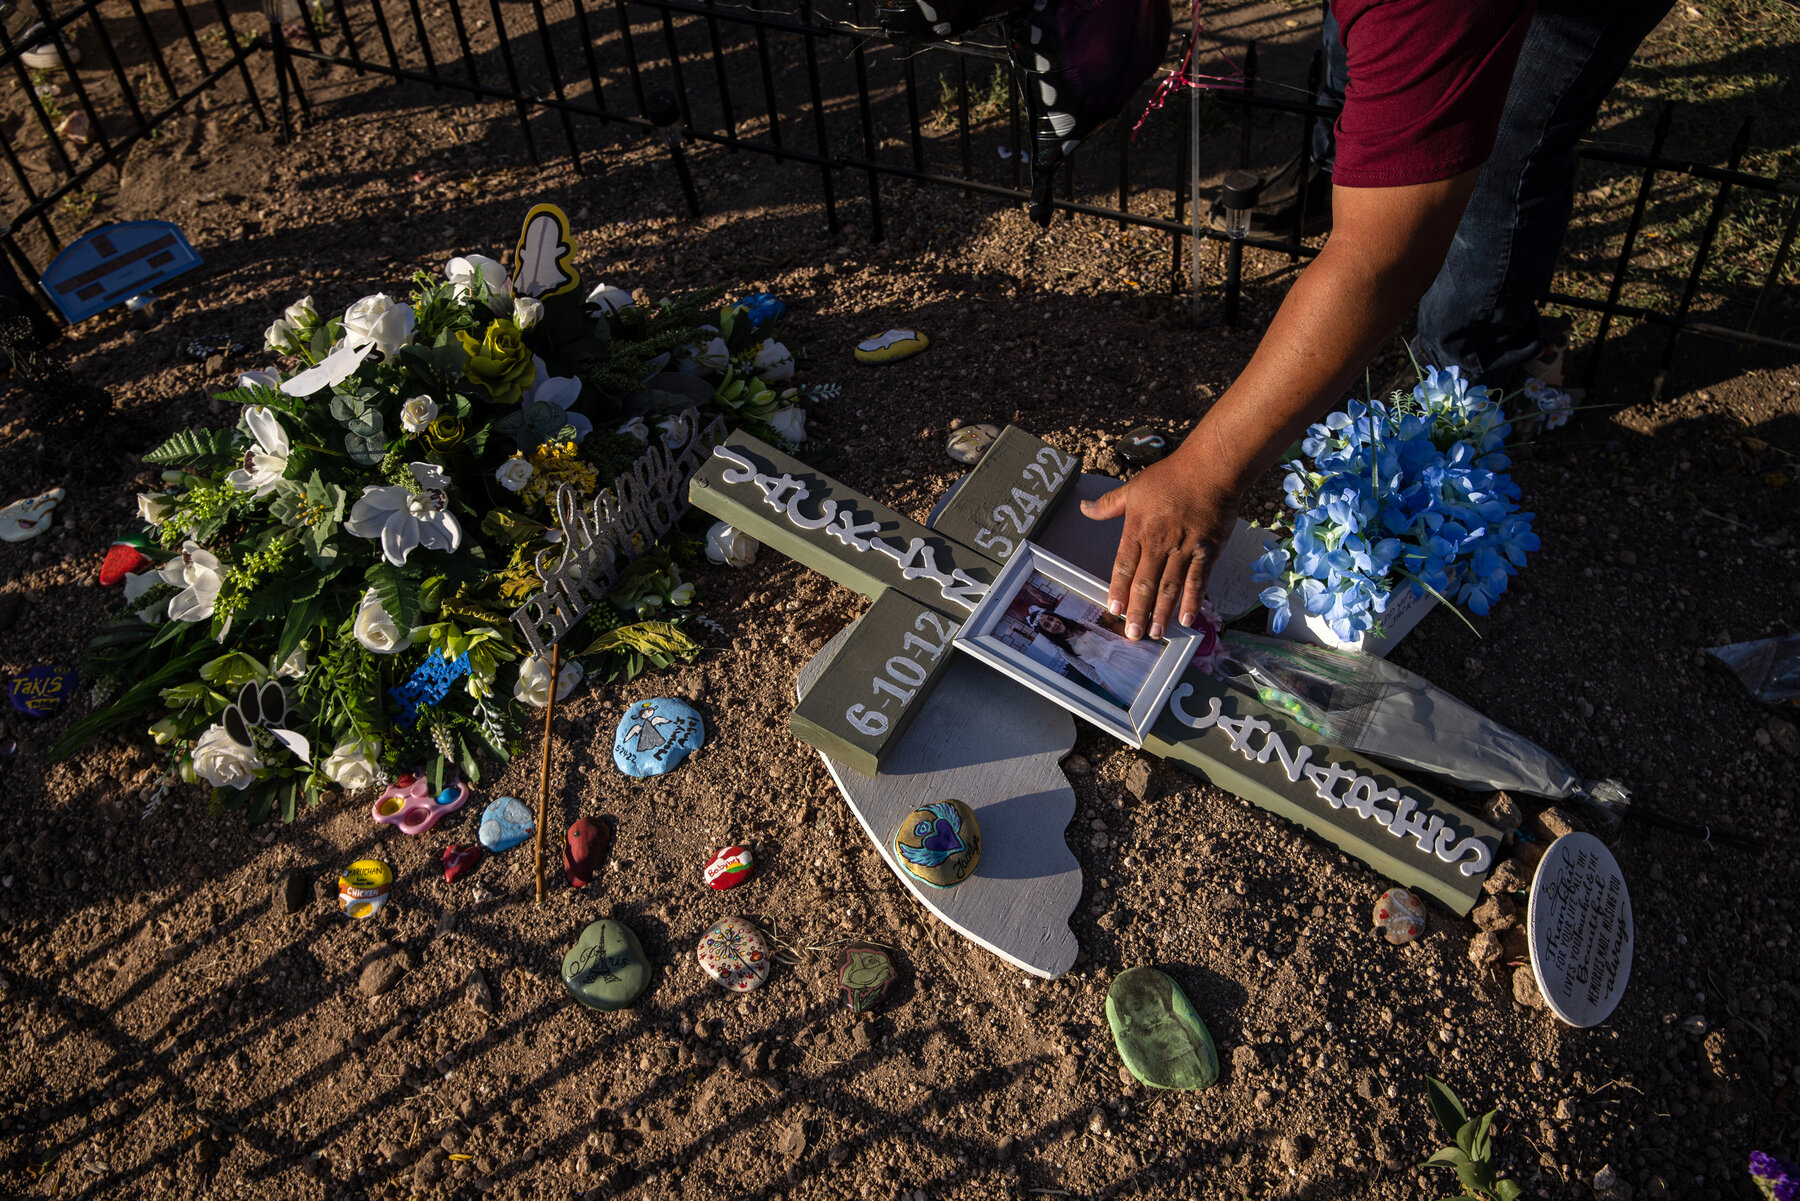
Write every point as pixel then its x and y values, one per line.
pixel 1471 1153
pixel 629 650
pixel 205 449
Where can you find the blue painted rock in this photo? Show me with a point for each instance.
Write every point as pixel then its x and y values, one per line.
pixel 506 823
pixel 1161 1039
pixel 656 735
pixel 606 968
pixel 41 691
pixel 864 976
pixel 939 844
pixel 734 954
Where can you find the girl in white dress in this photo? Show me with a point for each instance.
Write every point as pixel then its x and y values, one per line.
pixel 1116 663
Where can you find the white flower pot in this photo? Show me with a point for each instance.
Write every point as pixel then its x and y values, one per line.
pixel 1404 611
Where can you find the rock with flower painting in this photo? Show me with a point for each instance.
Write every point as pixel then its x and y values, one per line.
pixel 864 977
pixel 734 954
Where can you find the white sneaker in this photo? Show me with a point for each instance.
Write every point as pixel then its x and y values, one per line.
pixel 45 55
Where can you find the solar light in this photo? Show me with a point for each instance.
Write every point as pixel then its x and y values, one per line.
pixel 1236 198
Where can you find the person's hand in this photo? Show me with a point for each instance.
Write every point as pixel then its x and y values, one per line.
pixel 1176 522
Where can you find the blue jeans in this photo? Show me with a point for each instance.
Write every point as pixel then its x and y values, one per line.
pixel 1481 312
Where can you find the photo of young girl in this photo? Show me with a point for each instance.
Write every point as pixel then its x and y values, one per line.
pixel 1072 635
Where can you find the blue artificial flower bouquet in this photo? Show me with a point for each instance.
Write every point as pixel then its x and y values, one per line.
pixel 1411 493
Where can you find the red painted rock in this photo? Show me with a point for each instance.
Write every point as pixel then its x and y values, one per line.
pixel 730 868
pixel 585 850
pixel 122 558
pixel 458 860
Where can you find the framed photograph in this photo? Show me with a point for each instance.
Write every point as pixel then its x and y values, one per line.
pixel 1044 623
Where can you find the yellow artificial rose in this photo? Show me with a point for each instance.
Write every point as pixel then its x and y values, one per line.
pixel 499 362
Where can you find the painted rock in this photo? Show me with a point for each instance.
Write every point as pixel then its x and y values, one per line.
pixel 364 887
pixel 891 347
pixel 1143 446
pixel 41 691
pixel 123 557
pixel 1161 1039
pixel 864 976
pixel 606 968
pixel 656 735
pixel 939 844
pixel 729 868
pixel 734 954
pixel 584 850
pixel 506 823
pixel 30 517
pixel 459 861
pixel 1401 915
pixel 968 444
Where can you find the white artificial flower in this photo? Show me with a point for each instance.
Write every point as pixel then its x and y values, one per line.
pixel 376 629
pixel 514 474
pixel 706 357
pixel 477 277
pixel 674 429
pixel 301 314
pixel 262 378
pixel 527 311
pixel 196 572
pixel 139 582
pixel 774 362
pixel 729 546
pixel 381 321
pixel 559 390
pixel 533 687
pixel 637 429
pixel 294 666
pixel 681 594
pixel 265 462
pixel 610 298
pixel 790 423
pixel 331 370
pixel 418 413
pixel 224 763
pixel 155 507
pixel 403 519
pixel 351 765
pixel 281 337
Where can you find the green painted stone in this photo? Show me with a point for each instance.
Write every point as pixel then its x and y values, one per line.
pixel 1161 1039
pixel 606 968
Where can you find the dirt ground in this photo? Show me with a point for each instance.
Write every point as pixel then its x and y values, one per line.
pixel 171 1031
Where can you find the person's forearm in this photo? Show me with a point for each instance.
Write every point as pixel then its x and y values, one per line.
pixel 1340 310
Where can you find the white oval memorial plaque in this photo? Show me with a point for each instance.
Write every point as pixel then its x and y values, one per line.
pixel 1579 922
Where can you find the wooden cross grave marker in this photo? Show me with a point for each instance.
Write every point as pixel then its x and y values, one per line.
pixel 974 729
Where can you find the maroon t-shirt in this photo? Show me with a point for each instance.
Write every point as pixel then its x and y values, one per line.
pixel 1427 80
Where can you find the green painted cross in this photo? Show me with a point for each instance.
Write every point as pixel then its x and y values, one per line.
pixel 925 581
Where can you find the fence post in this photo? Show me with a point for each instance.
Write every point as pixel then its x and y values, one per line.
pixel 1713 218
pixel 1616 287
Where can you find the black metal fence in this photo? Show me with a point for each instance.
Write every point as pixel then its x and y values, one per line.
pixel 820 89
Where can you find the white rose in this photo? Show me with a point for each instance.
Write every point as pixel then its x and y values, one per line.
pixel 733 548
pixel 527 311
pixel 263 378
pixel 610 298
pixel 379 319
pixel 418 413
pixel 790 423
pixel 281 337
pixel 155 507
pixel 533 687
pixel 301 314
pixel 513 474
pixel 223 763
pixel 637 429
pixel 376 630
pixel 774 363
pixel 352 764
pixel 477 277
pixel 709 357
